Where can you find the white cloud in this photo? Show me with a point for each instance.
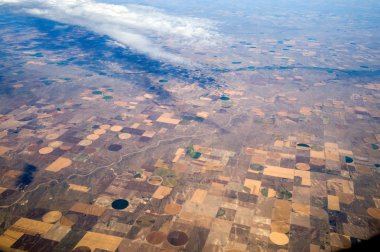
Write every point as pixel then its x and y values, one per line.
pixel 144 29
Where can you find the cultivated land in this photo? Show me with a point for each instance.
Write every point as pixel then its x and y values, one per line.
pixel 264 155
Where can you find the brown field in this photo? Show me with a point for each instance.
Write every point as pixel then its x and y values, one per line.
pixel 162 192
pixel 199 196
pixel 253 185
pixel 57 233
pixel 59 164
pixel 9 237
pixel 279 172
pixel 166 118
pixel 2 189
pixel 78 188
pixel 100 241
pixel 31 227
pixel 87 209
pixel 333 202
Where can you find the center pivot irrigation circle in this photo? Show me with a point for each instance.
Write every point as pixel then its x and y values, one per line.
pixel 120 204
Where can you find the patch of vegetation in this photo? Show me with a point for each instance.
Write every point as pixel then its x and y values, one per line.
pixel 97 92
pixel 107 97
pixel 303 145
pixel 284 194
pixel 246 189
pixel 192 153
pixel 256 167
pixel 189 149
pixel 26 177
pixel 192 118
pixel 196 155
pixel 199 119
pixel 264 191
pixel 375 146
pixel 47 82
pixel 137 175
pixel 221 212
pixel 348 159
